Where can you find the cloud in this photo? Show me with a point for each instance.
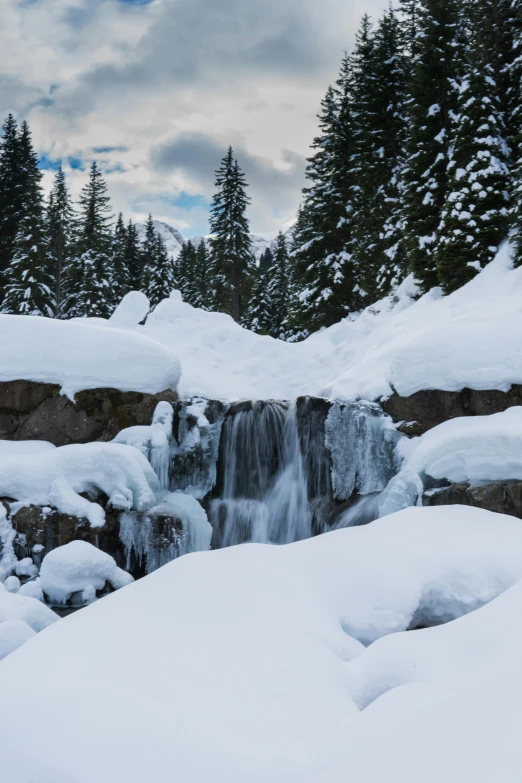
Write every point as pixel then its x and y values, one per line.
pixel 156 91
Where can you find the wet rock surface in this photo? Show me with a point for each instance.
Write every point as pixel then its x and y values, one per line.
pixel 502 497
pixel 427 409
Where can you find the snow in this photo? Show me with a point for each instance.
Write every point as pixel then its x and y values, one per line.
pixel 132 309
pixel 240 666
pixel 13 633
pixel 24 448
pixel 79 567
pixel 153 440
pixel 470 449
pixel 57 477
pixel 14 606
pixel 81 355
pixel 471 338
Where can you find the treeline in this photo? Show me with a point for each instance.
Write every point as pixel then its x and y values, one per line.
pixel 417 166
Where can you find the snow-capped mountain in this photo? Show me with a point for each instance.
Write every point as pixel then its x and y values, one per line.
pixel 174 239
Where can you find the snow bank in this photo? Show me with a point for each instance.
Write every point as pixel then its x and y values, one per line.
pixel 76 566
pixel 56 477
pixel 24 448
pixel 236 665
pixel 13 633
pixel 470 449
pixel 79 356
pixel 471 338
pixel 21 607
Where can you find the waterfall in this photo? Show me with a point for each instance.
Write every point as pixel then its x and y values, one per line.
pixel 262 487
pixel 290 471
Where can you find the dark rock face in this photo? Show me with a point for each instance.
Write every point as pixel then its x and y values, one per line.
pixel 37 411
pixel 426 409
pixel 52 529
pixel 503 498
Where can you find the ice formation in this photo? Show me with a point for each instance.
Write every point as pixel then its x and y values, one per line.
pixel 76 566
pixel 470 449
pixel 154 440
pixel 154 541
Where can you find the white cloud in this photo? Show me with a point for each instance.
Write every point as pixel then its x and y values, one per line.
pixel 143 78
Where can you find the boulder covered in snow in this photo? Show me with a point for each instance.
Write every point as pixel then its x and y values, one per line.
pixel 79 567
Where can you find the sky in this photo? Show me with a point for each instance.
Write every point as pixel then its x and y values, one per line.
pixel 156 90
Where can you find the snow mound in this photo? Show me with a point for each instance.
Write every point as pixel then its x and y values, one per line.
pixel 14 606
pixel 469 449
pixel 79 356
pixel 132 309
pixel 472 338
pixel 56 477
pixel 24 448
pixel 77 566
pixel 246 652
pixel 13 633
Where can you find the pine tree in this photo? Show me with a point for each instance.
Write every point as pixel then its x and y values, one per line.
pixel 260 316
pixel 475 215
pixel 159 277
pixel 133 257
pixel 324 283
pixel 60 230
pixel 89 275
pixel 186 272
pixel 437 67
pixel 121 279
pixel 379 131
pixel 278 288
pixel 202 297
pixel 29 284
pixel 10 194
pixel 232 260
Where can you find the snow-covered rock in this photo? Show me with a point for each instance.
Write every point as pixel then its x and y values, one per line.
pixel 22 607
pixel 132 309
pixel 78 355
pixel 247 652
pixel 79 567
pixel 473 449
pixel 57 477
pixel 153 440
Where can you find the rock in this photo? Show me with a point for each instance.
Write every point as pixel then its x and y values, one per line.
pixel 503 497
pixel 48 528
pixel 426 409
pixel 37 411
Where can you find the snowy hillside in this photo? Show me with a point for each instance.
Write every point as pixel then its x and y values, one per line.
pixel 258 673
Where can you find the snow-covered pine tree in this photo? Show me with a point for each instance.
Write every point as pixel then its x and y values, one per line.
pixel 121 279
pixel 29 283
pixel 59 231
pixel 260 316
pixel 409 13
pixel 133 256
pixel 278 288
pixel 186 273
pixel 88 281
pixel 159 273
pixel 324 285
pixel 202 296
pixel 475 214
pixel 10 193
pixel 148 249
pixel 379 131
pixel 232 260
pixel 437 68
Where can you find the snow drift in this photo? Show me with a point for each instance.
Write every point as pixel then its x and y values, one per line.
pixel 469 449
pixel 238 665
pixel 79 356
